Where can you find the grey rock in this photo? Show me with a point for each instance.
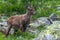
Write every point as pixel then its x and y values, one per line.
pixel 3 23
pixel 58 38
pixel 52 16
pixel 11 31
pixel 58 7
pixel 56 25
pixel 44 20
pixel 41 21
pixel 35 24
pixel 34 32
pixel 48 37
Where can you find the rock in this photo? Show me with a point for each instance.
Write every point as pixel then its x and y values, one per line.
pixel 35 24
pixel 44 36
pixel 4 23
pixel 52 16
pixel 12 31
pixel 34 32
pixel 48 37
pixel 58 38
pixel 58 7
pixel 43 20
pixel 56 22
pixel 6 28
pixel 40 21
pixel 56 25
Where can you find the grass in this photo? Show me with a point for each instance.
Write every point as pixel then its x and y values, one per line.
pixel 24 36
pixel 40 28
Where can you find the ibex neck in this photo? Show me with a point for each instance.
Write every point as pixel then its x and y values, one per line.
pixel 28 13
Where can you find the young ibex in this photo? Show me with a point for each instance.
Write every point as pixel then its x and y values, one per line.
pixel 20 21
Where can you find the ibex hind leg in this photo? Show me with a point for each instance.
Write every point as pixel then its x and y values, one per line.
pixel 8 30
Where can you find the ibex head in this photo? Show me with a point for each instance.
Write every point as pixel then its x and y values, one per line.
pixel 31 9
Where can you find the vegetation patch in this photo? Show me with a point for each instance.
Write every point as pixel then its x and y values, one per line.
pixel 24 36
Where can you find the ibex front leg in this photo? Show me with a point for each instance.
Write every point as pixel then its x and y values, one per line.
pixel 21 29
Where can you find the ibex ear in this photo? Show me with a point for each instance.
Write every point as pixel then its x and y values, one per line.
pixel 30 7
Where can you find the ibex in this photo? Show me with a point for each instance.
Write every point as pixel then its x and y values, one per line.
pixel 20 21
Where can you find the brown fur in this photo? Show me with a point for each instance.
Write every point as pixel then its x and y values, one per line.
pixel 20 21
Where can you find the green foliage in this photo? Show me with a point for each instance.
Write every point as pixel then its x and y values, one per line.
pixel 24 36
pixel 28 35
pixel 40 28
pixel 42 7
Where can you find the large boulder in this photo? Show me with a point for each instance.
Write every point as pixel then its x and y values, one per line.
pixel 40 21
pixel 52 32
